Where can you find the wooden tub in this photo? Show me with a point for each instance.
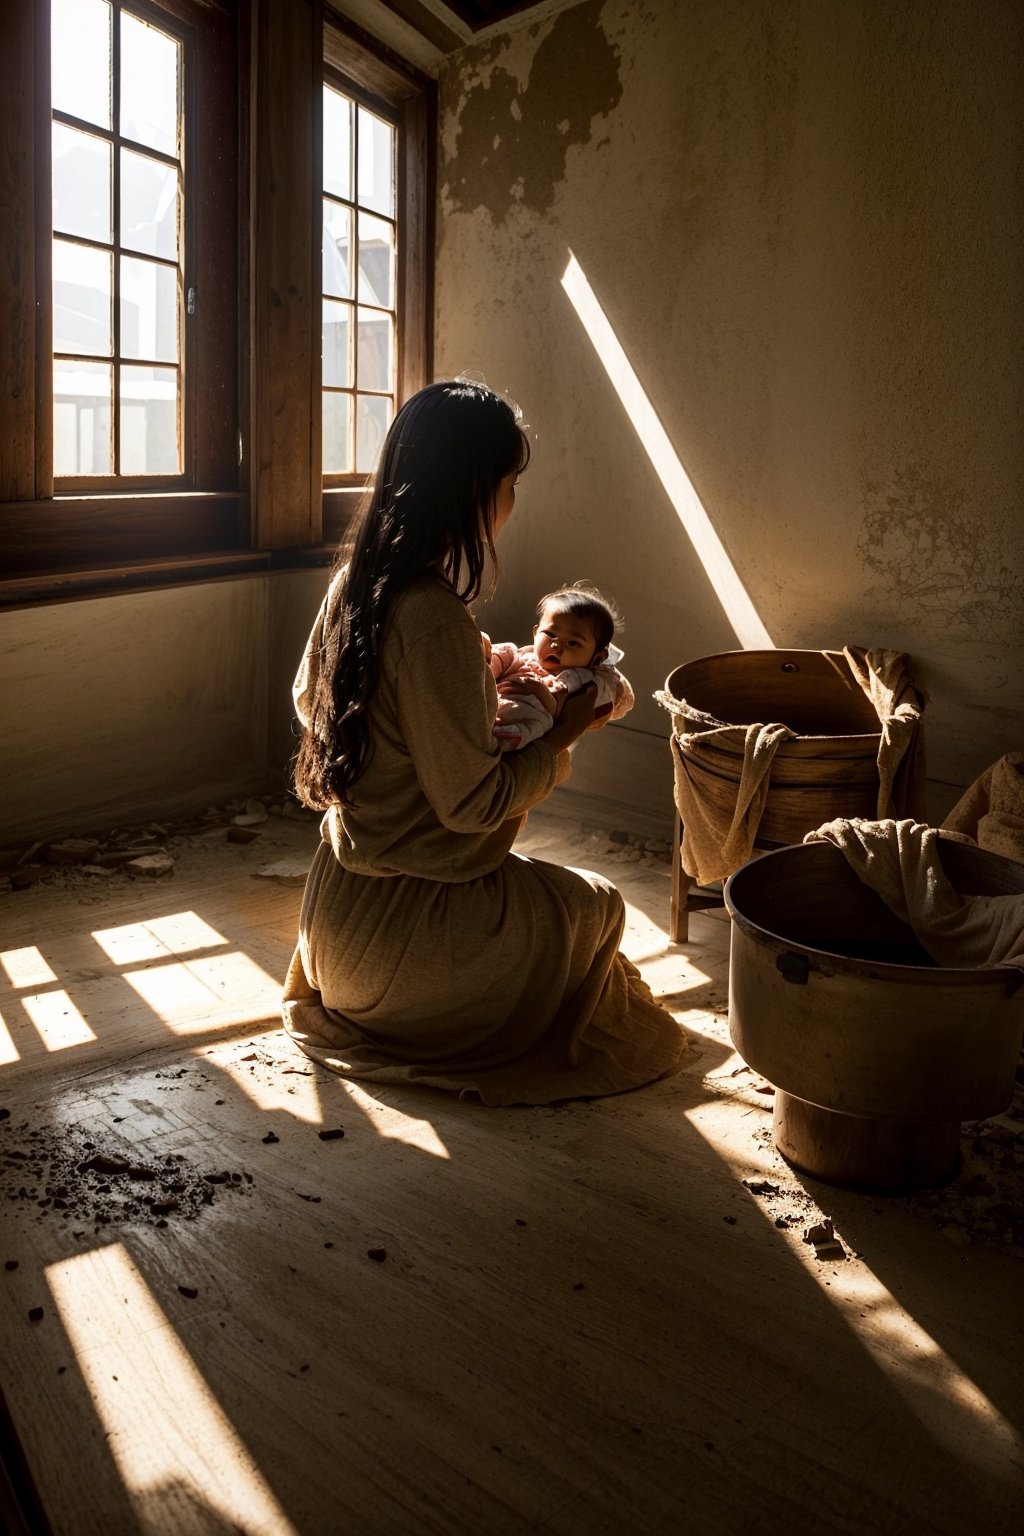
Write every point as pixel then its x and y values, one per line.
pixel 828 770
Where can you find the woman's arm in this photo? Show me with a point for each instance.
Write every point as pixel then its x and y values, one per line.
pixel 446 704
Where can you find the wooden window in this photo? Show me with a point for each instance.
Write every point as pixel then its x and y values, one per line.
pixel 376 214
pixel 118 81
pixel 359 293
pixel 162 361
pixel 119 397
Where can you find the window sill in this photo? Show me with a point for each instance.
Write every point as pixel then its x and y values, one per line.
pixel 150 575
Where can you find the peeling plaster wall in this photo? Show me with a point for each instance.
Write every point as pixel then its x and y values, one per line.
pixel 124 708
pixel 803 219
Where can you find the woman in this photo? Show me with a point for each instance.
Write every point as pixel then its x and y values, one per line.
pixel 428 952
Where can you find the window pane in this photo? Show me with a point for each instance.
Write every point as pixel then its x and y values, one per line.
pixel 337 143
pixel 375 359
pixel 81 418
pixel 373 414
pixel 82 303
pixel 337 434
pixel 80 59
pixel 149 310
pixel 150 67
pixel 149 205
pixel 337 250
pixel 81 184
pixel 337 331
pixel 149 421
pixel 376 262
pixel 375 178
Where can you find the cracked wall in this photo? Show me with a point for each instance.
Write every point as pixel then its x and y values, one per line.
pixel 804 223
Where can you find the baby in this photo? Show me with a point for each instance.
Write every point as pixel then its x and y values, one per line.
pixel 572 646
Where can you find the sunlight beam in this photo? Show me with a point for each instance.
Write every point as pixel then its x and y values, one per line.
pixel 950 1406
pixel 26 967
pixel 158 938
pixel 8 1049
pixel 396 1126
pixel 272 1084
pixel 729 589
pixel 58 1020
pixel 174 1446
pixel 210 992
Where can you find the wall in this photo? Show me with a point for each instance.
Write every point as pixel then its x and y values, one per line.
pixel 804 224
pixel 124 708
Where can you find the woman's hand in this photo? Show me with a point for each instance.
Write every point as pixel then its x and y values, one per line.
pixel 576 718
pixel 533 687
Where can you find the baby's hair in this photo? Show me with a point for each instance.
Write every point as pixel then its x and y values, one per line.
pixel 584 601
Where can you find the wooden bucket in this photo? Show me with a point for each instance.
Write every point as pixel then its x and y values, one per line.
pixel 829 770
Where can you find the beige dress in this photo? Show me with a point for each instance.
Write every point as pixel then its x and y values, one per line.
pixel 429 952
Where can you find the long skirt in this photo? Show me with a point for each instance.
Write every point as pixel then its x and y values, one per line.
pixel 509 988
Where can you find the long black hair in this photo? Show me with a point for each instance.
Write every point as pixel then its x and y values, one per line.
pixel 432 500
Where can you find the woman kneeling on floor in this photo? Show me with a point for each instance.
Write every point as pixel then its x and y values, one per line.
pixel 428 951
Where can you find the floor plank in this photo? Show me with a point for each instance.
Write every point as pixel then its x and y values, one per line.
pixel 564 1320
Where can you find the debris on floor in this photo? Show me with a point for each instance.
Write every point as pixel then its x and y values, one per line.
pixel 89 1179
pixel 150 851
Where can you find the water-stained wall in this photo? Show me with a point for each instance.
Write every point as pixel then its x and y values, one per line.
pixel 803 222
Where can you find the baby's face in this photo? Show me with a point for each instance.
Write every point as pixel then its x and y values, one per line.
pixel 561 640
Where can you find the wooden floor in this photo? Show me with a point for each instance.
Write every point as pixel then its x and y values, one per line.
pixel 596 1318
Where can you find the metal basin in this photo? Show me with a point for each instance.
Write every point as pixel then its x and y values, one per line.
pixel 876 1053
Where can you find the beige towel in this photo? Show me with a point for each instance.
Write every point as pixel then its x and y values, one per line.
pixel 714 844
pixel 992 810
pixel 898 699
pixel 900 861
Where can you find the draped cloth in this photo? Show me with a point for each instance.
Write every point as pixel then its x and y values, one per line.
pixel 428 951
pixel 900 861
pixel 992 809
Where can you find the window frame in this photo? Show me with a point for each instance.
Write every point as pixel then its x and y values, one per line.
pixel 254 265
pixel 185 480
pixel 334 480
pixel 93 534
pixel 386 84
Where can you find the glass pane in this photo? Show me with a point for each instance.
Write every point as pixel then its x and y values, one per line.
pixel 376 173
pixel 81 184
pixel 337 357
pixel 149 205
pixel 373 414
pixel 337 250
pixel 337 143
pixel 376 262
pixel 81 418
pixel 375 355
pixel 149 421
pixel 80 59
pixel 337 434
pixel 150 70
pixel 149 310
pixel 82 299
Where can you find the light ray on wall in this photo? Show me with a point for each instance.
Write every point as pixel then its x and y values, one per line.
pixel 729 589
pixel 174 1446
